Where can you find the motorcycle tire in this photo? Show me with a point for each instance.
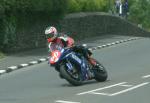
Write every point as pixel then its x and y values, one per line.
pixel 100 72
pixel 66 75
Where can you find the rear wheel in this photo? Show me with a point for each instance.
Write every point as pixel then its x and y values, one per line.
pixel 73 76
pixel 100 72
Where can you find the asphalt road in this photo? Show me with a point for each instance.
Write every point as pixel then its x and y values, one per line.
pixel 128 66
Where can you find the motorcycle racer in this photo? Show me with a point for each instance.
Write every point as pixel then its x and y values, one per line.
pixel 54 37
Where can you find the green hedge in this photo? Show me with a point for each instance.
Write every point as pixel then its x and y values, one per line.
pixel 140 12
pixel 87 5
pixel 17 15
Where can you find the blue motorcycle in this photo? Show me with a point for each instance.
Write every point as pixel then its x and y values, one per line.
pixel 74 67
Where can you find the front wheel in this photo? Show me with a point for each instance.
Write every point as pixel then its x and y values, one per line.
pixel 73 76
pixel 100 72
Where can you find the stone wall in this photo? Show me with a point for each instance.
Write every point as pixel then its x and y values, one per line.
pixel 85 25
pixel 78 25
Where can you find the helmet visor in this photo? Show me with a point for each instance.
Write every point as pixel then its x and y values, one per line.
pixel 50 35
pixel 51 32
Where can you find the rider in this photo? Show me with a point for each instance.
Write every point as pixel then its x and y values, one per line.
pixel 53 37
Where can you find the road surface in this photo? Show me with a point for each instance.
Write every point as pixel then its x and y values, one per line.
pixel 128 66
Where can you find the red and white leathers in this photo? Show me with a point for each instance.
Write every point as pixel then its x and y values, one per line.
pixel 64 41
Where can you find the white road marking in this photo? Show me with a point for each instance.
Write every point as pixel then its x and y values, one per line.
pixel 117 42
pixel 126 85
pixel 2 71
pixel 24 65
pixel 13 67
pixel 105 94
pixel 61 101
pixel 42 59
pixel 113 43
pixel 146 76
pixel 109 44
pixel 33 62
pixel 129 89
pixel 104 45
pixel 101 88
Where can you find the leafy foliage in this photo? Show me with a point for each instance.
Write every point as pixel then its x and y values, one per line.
pixel 140 12
pixel 87 5
pixel 13 13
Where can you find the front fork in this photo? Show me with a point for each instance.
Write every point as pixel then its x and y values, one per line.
pixel 82 69
pixel 85 68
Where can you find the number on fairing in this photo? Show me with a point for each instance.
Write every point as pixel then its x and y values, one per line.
pixel 55 56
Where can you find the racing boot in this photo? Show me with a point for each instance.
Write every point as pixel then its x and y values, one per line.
pixel 92 61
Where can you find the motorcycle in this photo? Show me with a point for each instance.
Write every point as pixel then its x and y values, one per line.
pixel 74 67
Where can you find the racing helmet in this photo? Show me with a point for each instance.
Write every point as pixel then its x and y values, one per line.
pixel 51 32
